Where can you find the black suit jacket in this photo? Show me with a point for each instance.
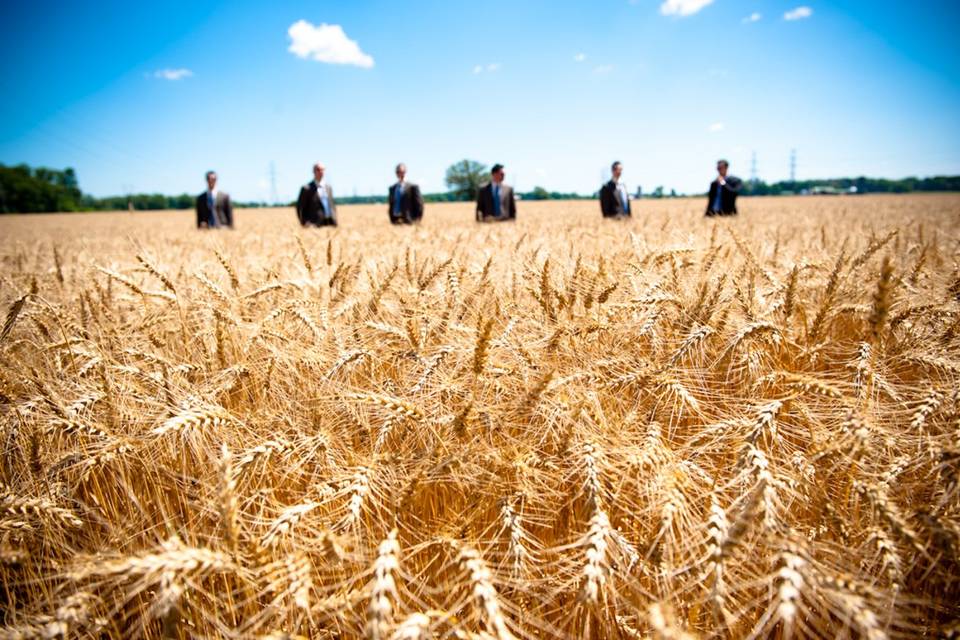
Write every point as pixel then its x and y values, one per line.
pixel 728 196
pixel 310 207
pixel 222 208
pixel 610 204
pixel 411 204
pixel 485 209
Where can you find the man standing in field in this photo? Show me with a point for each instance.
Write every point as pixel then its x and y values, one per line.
pixel 495 201
pixel 214 209
pixel 315 205
pixel 614 198
pixel 722 199
pixel 404 204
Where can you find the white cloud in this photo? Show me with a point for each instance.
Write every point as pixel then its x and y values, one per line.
pixel 489 68
pixel 580 57
pixel 682 7
pixel 798 14
pixel 716 127
pixel 172 74
pixel 493 67
pixel 478 68
pixel 753 17
pixel 325 43
pixel 603 69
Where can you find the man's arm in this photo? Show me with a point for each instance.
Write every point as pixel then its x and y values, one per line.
pixel 480 213
pixel 300 205
pixel 390 195
pixel 333 206
pixel 734 184
pixel 417 202
pixel 228 209
pixel 513 204
pixel 711 194
pixel 606 206
pixel 200 218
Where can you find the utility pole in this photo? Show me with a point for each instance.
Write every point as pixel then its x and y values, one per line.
pixel 793 165
pixel 273 184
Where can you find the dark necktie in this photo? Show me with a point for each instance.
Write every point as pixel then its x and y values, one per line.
pixel 213 211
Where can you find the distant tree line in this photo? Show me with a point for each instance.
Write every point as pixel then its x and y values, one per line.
pixel 41 189
pixel 861 184
pixel 27 190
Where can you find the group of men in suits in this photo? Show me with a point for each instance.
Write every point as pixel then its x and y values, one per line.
pixel 496 202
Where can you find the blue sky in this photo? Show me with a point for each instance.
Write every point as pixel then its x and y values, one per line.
pixel 146 97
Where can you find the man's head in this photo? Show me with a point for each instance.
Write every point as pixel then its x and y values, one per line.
pixel 401 171
pixel 497 174
pixel 616 169
pixel 211 179
pixel 318 171
pixel 722 167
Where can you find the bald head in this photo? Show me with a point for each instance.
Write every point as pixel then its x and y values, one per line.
pixel 318 170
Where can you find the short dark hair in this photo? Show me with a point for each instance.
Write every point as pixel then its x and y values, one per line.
pixel 496 167
pixel 209 173
pixel 614 165
pixel 723 162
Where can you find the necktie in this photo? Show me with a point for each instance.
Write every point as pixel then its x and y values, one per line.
pixel 213 211
pixel 397 197
pixel 624 200
pixel 718 200
pixel 496 200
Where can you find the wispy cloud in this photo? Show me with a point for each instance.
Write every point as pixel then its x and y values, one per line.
pixel 753 17
pixel 798 14
pixel 489 68
pixel 603 69
pixel 172 74
pixel 682 7
pixel 580 57
pixel 716 127
pixel 326 43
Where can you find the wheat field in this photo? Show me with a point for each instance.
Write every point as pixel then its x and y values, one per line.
pixel 669 427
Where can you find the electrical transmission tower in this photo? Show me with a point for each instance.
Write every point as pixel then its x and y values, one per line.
pixel 793 165
pixel 753 167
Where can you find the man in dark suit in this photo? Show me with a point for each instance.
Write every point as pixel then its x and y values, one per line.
pixel 214 209
pixel 404 204
pixel 495 200
pixel 722 199
pixel 614 198
pixel 315 205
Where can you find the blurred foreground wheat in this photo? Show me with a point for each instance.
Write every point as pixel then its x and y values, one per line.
pixel 566 427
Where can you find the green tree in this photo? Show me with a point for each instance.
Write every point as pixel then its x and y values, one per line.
pixel 538 193
pixel 465 177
